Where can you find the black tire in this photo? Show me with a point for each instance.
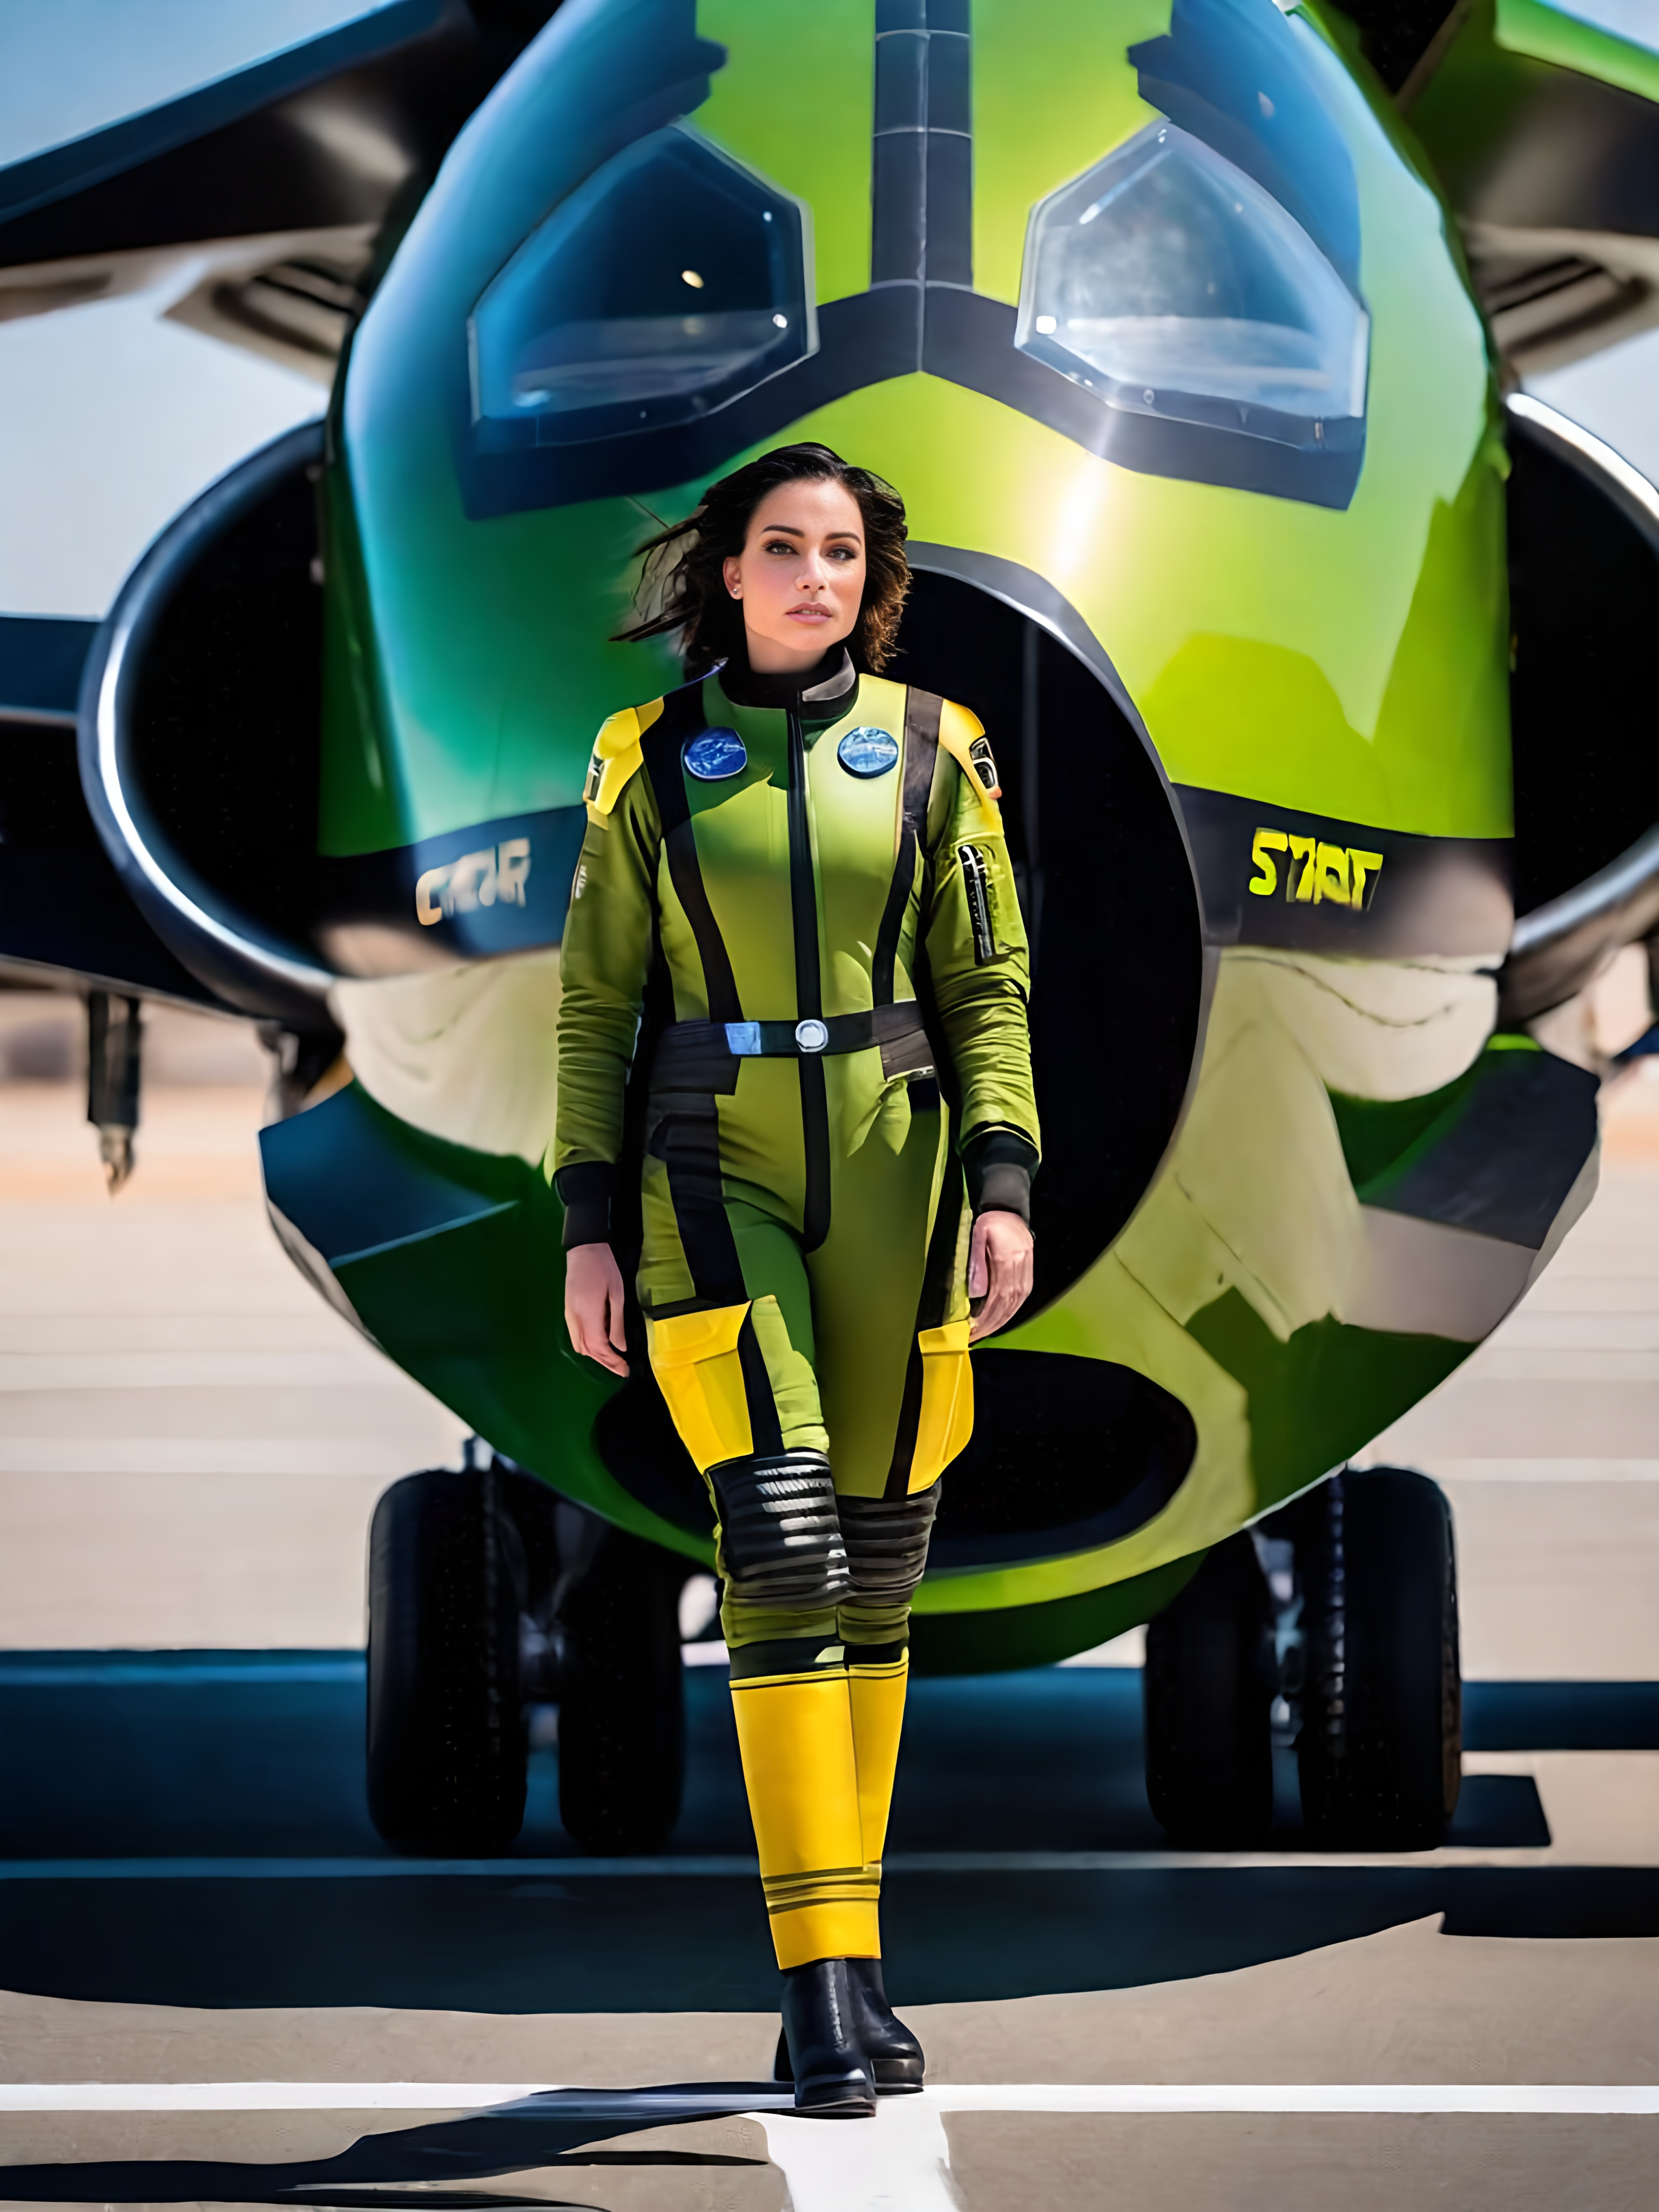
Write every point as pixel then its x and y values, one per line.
pixel 621 1714
pixel 447 1580
pixel 1207 1691
pixel 1380 1751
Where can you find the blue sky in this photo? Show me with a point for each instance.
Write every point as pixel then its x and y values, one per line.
pixel 69 67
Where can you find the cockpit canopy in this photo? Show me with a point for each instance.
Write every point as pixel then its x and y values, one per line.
pixel 1165 278
pixel 669 283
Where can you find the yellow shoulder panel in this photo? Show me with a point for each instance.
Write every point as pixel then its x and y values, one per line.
pixel 616 757
pixel 962 736
pixel 882 702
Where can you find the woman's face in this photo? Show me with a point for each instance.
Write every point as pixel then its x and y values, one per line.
pixel 800 575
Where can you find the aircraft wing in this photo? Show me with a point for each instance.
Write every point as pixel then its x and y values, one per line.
pixel 190 199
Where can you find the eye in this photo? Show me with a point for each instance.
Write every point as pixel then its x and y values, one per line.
pixel 778 545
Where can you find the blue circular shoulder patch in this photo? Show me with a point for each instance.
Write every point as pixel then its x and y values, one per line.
pixel 867 752
pixel 715 754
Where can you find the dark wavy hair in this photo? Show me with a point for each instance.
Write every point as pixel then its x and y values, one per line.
pixel 681 588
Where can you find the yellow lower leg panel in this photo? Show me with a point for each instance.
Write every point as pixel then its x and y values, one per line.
pixel 795 1734
pixel 877 1698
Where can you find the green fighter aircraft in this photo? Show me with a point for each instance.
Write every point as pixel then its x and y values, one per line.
pixel 1313 651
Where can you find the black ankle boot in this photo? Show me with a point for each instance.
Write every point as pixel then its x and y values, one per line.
pixel 894 2053
pixel 820 2050
pixel 894 2056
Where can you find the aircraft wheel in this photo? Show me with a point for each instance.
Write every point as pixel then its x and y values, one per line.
pixel 1380 1751
pixel 1207 1691
pixel 447 1583
pixel 621 1710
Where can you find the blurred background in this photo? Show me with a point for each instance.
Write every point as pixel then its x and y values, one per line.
pixel 190 1441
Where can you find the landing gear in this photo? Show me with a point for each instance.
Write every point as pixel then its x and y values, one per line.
pixel 1380 1752
pixel 114 1062
pixel 1334 1624
pixel 1207 1689
pixel 622 1709
pixel 487 1594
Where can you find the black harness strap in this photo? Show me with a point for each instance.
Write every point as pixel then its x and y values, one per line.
pixel 687 1143
pixel 682 717
pixel 921 717
pixel 763 1424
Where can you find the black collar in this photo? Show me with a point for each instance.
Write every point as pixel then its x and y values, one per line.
pixel 823 686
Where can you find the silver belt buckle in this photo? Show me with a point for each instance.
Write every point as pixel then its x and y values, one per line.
pixel 812 1036
pixel 744 1038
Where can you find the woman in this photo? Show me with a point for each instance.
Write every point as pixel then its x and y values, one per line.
pixel 811 859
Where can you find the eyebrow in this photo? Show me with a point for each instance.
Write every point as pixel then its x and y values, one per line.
pixel 789 529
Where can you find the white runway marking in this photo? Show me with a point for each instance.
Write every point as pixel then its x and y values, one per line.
pixel 282 1455
pixel 1406 2097
pixel 194 1370
pixel 1546 1470
pixel 902 2164
pixel 1639 2099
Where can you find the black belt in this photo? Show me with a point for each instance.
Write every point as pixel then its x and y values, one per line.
pixel 706 1055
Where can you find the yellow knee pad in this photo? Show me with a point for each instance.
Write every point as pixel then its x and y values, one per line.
pixel 886 1540
pixel 778 1547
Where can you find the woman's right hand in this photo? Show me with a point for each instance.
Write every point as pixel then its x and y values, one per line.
pixel 593 1305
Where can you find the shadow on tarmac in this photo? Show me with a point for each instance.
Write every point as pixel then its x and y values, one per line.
pixel 538 2132
pixel 121 1773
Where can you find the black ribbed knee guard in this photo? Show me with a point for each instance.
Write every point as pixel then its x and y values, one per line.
pixel 781 1538
pixel 886 1540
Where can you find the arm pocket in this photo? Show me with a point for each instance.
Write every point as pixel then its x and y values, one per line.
pixel 976 887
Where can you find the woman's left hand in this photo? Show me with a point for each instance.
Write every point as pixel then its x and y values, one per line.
pixel 999 1270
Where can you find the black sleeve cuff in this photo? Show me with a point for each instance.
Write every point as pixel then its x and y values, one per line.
pixel 583 1191
pixel 999 1164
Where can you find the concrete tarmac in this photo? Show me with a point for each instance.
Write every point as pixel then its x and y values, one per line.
pixel 190 1448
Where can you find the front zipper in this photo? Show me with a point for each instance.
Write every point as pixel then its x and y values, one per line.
pixel 809 995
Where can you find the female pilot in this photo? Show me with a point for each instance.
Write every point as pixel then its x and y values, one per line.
pixel 808 861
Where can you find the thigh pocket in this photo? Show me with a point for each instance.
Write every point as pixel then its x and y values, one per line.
pixel 699 1370
pixel 947 1402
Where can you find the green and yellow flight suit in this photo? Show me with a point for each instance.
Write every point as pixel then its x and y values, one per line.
pixel 802 863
